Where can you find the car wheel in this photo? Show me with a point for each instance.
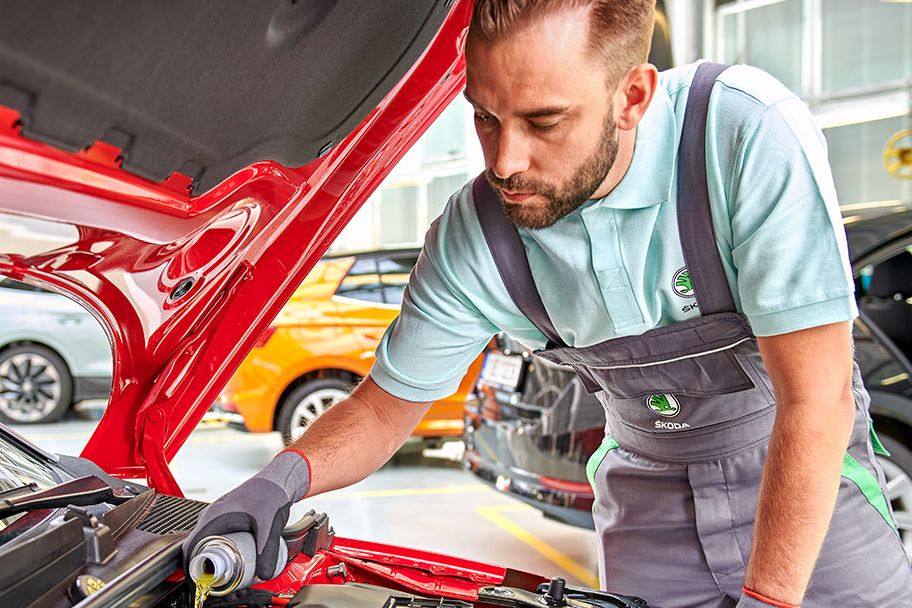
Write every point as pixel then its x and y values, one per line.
pixel 308 402
pixel 35 385
pixel 897 468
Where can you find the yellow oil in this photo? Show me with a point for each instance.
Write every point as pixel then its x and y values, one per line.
pixel 203 587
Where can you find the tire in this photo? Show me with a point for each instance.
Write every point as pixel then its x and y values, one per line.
pixel 308 402
pixel 35 385
pixel 897 468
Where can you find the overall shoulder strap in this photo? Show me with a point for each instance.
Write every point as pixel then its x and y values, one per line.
pixel 511 260
pixel 695 226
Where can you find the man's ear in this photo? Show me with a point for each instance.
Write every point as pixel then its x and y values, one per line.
pixel 634 94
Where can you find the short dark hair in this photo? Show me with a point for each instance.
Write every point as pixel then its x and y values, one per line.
pixel 620 31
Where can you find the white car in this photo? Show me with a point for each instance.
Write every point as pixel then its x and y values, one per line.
pixel 53 353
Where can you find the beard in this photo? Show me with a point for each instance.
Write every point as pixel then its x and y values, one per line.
pixel 562 199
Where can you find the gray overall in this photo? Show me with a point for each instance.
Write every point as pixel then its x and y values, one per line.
pixel 689 410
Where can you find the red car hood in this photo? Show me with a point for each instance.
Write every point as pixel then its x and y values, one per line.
pixel 185 272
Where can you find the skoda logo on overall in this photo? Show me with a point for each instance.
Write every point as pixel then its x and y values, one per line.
pixel 681 283
pixel 664 405
pixel 667 406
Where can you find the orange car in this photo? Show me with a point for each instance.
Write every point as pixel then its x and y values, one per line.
pixel 322 343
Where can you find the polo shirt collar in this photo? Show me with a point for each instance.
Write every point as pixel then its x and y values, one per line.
pixel 648 180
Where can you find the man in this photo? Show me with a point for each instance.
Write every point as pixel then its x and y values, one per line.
pixel 710 304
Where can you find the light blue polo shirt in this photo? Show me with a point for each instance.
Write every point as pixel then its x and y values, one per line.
pixel 614 266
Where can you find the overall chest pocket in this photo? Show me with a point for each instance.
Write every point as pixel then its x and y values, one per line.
pixel 695 357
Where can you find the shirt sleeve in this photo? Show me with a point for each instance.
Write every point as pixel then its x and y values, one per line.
pixel 788 241
pixel 425 352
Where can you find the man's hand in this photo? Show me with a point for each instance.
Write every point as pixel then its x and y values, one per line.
pixel 259 506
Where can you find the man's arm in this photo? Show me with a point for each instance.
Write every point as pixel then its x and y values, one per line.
pixel 811 371
pixel 357 436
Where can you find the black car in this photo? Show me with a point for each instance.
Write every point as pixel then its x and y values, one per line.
pixel 534 426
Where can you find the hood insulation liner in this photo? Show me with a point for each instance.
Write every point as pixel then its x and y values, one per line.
pixel 205 88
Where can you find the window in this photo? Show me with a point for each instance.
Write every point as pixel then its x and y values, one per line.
pixel 864 43
pixel 381 279
pixel 446 138
pixel 856 157
pixel 394 275
pixel 850 60
pixel 398 211
pixel 439 191
pixel 767 36
pixel 394 265
pixel 362 281
pixel 363 266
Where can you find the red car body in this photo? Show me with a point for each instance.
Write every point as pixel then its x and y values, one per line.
pixel 251 240
pixel 185 284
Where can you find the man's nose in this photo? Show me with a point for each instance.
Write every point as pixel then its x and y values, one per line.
pixel 511 155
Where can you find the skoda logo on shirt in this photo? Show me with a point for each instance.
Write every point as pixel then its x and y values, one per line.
pixel 663 405
pixel 681 283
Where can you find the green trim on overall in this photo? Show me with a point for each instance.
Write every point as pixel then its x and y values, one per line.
pixel 869 486
pixel 879 448
pixel 597 457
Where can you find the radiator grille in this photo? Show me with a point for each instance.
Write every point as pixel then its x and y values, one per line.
pixel 171 514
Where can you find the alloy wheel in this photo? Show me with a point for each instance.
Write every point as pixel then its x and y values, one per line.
pixel 30 387
pixel 899 493
pixel 311 407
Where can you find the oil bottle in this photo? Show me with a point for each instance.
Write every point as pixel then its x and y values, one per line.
pixel 226 563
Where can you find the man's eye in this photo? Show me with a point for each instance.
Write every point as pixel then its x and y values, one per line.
pixel 484 119
pixel 545 127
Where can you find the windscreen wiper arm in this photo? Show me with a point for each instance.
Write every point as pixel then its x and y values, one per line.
pixel 23 489
pixel 89 490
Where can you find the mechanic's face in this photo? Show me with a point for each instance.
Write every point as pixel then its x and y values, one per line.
pixel 544 116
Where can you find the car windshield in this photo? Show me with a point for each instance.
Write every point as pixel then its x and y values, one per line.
pixel 18 468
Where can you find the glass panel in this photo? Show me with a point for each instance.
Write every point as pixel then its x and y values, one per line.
pixel 856 156
pixel 768 37
pixel 397 265
pixel 398 215
pixel 439 191
pixel 18 468
pixel 365 287
pixel 446 137
pixel 395 276
pixel 865 43
pixel 362 281
pixel 363 266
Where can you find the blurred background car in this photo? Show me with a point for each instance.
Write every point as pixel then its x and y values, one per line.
pixel 534 428
pixel 322 343
pixel 53 353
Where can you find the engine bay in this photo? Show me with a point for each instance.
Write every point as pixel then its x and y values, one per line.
pixel 73 536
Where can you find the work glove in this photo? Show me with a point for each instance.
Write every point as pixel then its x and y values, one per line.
pixel 753 600
pixel 259 506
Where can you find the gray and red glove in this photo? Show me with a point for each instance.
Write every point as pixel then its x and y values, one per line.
pixel 259 506
pixel 752 599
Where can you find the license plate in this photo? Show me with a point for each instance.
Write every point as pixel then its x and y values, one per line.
pixel 502 370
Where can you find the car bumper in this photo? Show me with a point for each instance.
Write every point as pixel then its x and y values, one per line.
pixel 568 507
pixel 501 456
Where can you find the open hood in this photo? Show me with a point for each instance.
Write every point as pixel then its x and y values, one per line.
pixel 179 167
